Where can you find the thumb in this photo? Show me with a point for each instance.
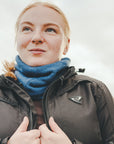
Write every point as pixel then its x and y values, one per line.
pixel 23 126
pixel 54 127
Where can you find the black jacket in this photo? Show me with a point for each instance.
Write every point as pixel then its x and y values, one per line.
pixel 82 106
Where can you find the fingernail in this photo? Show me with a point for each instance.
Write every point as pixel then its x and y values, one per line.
pixel 25 118
pixel 52 118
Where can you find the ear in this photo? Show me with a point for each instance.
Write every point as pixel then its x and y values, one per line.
pixel 66 47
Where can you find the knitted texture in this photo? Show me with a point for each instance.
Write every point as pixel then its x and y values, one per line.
pixel 36 79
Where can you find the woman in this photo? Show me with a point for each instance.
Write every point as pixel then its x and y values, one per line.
pixel 42 99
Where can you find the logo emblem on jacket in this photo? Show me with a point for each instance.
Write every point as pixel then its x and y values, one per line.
pixel 76 99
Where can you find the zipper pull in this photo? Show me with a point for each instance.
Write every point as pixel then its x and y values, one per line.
pixel 61 79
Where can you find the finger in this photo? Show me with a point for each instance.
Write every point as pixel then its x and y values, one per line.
pixel 54 127
pixel 44 130
pixel 23 126
pixel 34 133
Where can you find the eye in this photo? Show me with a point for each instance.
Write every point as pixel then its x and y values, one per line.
pixel 51 30
pixel 26 29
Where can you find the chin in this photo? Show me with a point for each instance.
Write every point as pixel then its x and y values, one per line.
pixel 39 63
pixel 34 64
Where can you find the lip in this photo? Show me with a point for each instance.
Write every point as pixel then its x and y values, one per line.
pixel 37 51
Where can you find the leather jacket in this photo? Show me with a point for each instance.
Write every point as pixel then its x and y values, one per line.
pixel 82 106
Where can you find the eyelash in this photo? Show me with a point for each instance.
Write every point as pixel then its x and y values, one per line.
pixel 52 30
pixel 26 29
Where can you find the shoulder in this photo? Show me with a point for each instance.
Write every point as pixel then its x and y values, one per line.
pixel 97 87
pixel 90 80
pixel 85 78
pixel 77 77
pixel 81 79
pixel 6 81
pixel 2 81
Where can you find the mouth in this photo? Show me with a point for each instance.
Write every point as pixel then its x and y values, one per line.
pixel 37 51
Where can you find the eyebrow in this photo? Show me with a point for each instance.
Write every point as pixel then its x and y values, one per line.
pixel 27 22
pixel 47 24
pixel 53 24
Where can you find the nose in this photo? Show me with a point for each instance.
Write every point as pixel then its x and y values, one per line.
pixel 37 38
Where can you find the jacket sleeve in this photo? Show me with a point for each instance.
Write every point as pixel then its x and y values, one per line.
pixel 105 112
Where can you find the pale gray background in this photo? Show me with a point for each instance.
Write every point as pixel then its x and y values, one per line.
pixel 92 34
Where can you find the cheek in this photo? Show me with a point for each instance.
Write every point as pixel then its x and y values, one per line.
pixel 59 45
pixel 56 42
pixel 22 41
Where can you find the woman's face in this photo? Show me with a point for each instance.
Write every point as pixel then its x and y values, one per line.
pixel 40 36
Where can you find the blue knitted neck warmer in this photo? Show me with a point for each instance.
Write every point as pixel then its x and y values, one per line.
pixel 36 79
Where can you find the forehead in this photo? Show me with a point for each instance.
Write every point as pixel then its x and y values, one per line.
pixel 42 14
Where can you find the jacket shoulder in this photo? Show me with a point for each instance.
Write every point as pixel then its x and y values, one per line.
pixel 2 81
pixel 88 79
pixel 95 82
pixel 96 85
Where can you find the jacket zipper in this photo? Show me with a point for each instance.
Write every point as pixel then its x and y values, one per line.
pixel 44 101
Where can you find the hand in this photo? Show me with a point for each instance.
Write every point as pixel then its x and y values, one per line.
pixel 56 136
pixel 22 136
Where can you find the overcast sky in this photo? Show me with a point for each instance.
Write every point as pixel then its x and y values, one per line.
pixel 92 34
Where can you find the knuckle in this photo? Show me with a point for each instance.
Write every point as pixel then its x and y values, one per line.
pixel 34 133
pixel 42 126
